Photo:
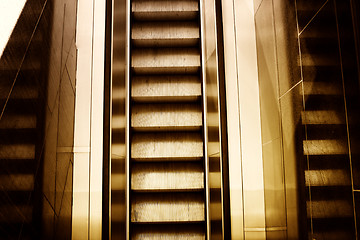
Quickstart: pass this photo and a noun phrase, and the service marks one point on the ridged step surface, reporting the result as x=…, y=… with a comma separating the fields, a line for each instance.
x=325, y=147
x=168, y=60
x=330, y=209
x=18, y=121
x=166, y=146
x=321, y=88
x=167, y=176
x=166, y=88
x=165, y=9
x=165, y=34
x=327, y=177
x=146, y=117
x=322, y=117
x=17, y=151
x=318, y=60
x=162, y=208
x=166, y=232
x=17, y=182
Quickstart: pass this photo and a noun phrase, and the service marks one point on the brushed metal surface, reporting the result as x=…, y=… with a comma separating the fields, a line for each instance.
x=166, y=116
x=169, y=10
x=17, y=151
x=167, y=176
x=327, y=177
x=162, y=232
x=166, y=88
x=18, y=121
x=320, y=88
x=325, y=147
x=17, y=182
x=322, y=117
x=163, y=146
x=168, y=60
x=171, y=207
x=165, y=34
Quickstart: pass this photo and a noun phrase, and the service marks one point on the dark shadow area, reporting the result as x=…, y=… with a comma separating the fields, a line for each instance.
x=37, y=98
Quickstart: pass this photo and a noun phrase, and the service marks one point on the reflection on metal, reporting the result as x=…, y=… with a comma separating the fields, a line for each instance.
x=119, y=91
x=233, y=122
x=120, y=185
x=211, y=119
x=87, y=173
x=127, y=112
x=206, y=173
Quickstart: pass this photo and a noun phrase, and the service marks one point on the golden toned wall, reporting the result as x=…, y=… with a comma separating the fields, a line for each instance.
x=43, y=55
x=59, y=133
x=88, y=134
x=214, y=159
x=247, y=206
x=279, y=79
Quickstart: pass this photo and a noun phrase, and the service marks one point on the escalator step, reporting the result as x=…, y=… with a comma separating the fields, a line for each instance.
x=322, y=117
x=325, y=147
x=160, y=34
x=17, y=182
x=17, y=121
x=328, y=209
x=165, y=61
x=166, y=117
x=165, y=88
x=17, y=151
x=165, y=9
x=168, y=232
x=327, y=177
x=166, y=146
x=167, y=208
x=167, y=177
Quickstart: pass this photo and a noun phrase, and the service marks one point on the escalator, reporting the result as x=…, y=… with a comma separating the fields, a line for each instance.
x=166, y=148
x=327, y=179
x=22, y=83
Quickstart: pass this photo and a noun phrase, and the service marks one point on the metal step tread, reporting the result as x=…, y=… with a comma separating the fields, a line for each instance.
x=321, y=88
x=323, y=117
x=311, y=59
x=325, y=147
x=166, y=60
x=330, y=209
x=168, y=232
x=167, y=177
x=327, y=177
x=168, y=116
x=165, y=9
x=17, y=151
x=166, y=208
x=167, y=146
x=18, y=121
x=165, y=30
x=17, y=182
x=165, y=88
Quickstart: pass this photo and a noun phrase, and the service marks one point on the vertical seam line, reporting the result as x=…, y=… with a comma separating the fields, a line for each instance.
x=238, y=103
x=91, y=98
x=346, y=115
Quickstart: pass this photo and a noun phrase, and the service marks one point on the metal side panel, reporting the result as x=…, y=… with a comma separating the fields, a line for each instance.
x=119, y=102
